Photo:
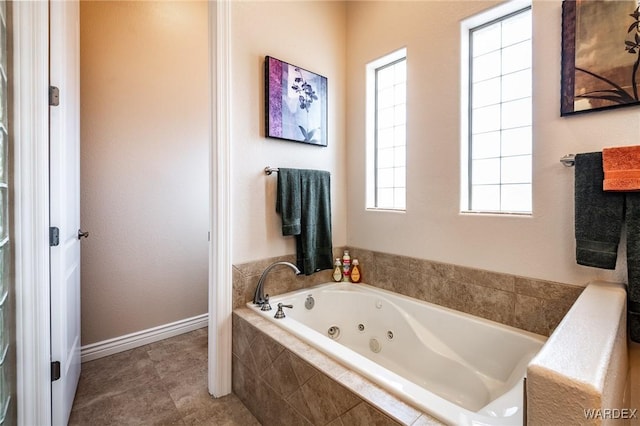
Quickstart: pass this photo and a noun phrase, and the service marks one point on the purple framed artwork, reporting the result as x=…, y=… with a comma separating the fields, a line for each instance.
x=600, y=55
x=296, y=103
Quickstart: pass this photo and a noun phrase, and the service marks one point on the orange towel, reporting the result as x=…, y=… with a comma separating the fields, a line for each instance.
x=621, y=167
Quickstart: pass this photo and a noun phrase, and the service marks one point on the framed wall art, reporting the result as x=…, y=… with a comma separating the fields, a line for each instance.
x=600, y=55
x=296, y=103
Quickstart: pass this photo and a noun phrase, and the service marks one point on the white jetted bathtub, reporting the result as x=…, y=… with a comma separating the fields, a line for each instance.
x=461, y=369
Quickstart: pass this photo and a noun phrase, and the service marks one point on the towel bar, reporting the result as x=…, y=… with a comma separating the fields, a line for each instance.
x=268, y=170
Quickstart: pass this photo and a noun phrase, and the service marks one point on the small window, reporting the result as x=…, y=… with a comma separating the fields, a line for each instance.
x=499, y=110
x=386, y=132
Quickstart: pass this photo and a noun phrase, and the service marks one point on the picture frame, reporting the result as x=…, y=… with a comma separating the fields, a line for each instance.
x=295, y=103
x=600, y=55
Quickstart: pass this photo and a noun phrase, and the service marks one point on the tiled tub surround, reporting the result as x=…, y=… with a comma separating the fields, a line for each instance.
x=284, y=381
x=529, y=304
x=280, y=279
x=460, y=368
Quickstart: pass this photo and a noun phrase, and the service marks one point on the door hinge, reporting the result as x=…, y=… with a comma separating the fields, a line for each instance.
x=54, y=96
x=55, y=370
x=54, y=236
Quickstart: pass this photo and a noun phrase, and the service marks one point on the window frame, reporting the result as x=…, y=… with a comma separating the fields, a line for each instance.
x=467, y=27
x=371, y=120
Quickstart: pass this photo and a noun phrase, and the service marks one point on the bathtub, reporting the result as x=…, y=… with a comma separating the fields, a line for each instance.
x=460, y=369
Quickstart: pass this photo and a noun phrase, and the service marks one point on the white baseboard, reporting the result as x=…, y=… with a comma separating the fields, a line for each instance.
x=141, y=338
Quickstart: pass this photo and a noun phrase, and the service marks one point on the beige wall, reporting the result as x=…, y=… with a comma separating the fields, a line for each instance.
x=308, y=34
x=541, y=246
x=145, y=126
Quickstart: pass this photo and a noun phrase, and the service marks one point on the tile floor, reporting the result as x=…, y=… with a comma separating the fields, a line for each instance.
x=163, y=383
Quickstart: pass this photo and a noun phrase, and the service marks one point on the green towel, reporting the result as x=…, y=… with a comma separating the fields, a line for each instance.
x=304, y=201
x=288, y=202
x=598, y=215
x=632, y=218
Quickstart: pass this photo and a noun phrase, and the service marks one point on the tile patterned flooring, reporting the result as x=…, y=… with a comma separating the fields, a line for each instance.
x=163, y=383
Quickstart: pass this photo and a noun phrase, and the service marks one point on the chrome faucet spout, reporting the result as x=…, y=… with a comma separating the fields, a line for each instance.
x=258, y=295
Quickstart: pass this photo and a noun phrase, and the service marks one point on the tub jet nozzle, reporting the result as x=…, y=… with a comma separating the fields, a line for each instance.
x=334, y=332
x=374, y=345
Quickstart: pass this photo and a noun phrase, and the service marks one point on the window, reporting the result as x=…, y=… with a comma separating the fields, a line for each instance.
x=498, y=135
x=386, y=132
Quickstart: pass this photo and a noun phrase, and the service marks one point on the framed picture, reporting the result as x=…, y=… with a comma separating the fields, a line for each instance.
x=600, y=55
x=296, y=103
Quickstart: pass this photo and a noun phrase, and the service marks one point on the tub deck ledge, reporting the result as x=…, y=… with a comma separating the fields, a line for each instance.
x=584, y=364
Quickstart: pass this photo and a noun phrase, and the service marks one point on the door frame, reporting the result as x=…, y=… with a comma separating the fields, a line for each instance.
x=31, y=207
x=31, y=210
x=220, y=275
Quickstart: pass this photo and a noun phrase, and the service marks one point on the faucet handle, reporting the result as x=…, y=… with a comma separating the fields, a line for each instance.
x=280, y=312
x=265, y=305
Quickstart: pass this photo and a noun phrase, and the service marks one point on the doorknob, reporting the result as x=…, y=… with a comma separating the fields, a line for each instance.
x=82, y=234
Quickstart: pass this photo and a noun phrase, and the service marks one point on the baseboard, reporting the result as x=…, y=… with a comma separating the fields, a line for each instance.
x=141, y=338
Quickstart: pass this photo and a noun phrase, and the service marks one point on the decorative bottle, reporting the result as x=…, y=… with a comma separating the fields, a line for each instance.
x=355, y=271
x=346, y=266
x=337, y=270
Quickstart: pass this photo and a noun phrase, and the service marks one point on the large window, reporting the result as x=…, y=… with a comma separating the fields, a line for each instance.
x=499, y=127
x=386, y=140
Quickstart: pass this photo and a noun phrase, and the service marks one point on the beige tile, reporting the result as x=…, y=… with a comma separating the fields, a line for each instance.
x=260, y=352
x=427, y=420
x=255, y=268
x=302, y=369
x=244, y=384
x=239, y=284
x=146, y=404
x=388, y=278
x=341, y=397
x=298, y=402
x=126, y=389
x=336, y=422
x=540, y=316
x=322, y=400
x=241, y=325
x=415, y=285
x=484, y=278
x=546, y=289
x=264, y=347
x=179, y=354
x=386, y=260
x=188, y=390
x=195, y=342
x=318, y=360
x=242, y=336
x=281, y=376
x=365, y=415
x=386, y=402
x=485, y=302
x=437, y=269
x=107, y=377
x=409, y=281
x=273, y=410
x=225, y=411
x=274, y=349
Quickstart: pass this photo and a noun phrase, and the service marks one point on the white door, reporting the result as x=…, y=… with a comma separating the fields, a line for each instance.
x=64, y=73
